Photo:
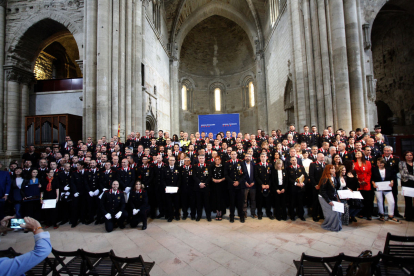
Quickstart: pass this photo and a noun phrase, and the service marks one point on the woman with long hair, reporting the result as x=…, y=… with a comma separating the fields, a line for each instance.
x=279, y=188
x=379, y=174
x=336, y=160
x=352, y=184
x=31, y=200
x=219, y=187
x=407, y=180
x=363, y=172
x=341, y=180
x=327, y=190
x=138, y=202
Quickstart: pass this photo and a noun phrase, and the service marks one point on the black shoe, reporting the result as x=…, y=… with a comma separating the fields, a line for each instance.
x=88, y=222
x=315, y=219
x=63, y=222
x=209, y=219
x=198, y=219
x=159, y=216
x=177, y=218
x=73, y=226
x=231, y=219
x=292, y=218
x=122, y=226
x=185, y=217
x=170, y=219
x=254, y=216
x=369, y=218
x=260, y=217
x=97, y=222
x=152, y=216
x=302, y=219
x=144, y=227
x=193, y=218
x=398, y=215
x=278, y=218
x=271, y=217
x=242, y=219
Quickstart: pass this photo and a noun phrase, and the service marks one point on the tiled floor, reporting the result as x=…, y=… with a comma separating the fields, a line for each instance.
x=220, y=248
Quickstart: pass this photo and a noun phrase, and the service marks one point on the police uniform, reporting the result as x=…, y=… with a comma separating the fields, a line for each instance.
x=262, y=175
x=146, y=176
x=66, y=196
x=218, y=189
x=187, y=193
x=201, y=174
x=241, y=154
x=79, y=201
x=146, y=141
x=107, y=177
x=294, y=134
x=161, y=141
x=316, y=139
x=139, y=200
x=156, y=193
x=126, y=178
x=92, y=180
x=308, y=138
x=345, y=156
x=234, y=170
x=297, y=193
x=171, y=178
x=112, y=203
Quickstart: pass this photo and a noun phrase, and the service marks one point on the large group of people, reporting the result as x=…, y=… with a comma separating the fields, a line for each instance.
x=162, y=177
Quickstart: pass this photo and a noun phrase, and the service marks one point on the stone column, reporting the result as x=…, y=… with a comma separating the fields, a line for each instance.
x=354, y=63
x=326, y=72
x=340, y=65
x=299, y=80
x=91, y=7
x=138, y=25
x=174, y=97
x=3, y=4
x=24, y=109
x=261, y=92
x=121, y=91
x=128, y=72
x=320, y=103
x=103, y=70
x=309, y=60
x=115, y=68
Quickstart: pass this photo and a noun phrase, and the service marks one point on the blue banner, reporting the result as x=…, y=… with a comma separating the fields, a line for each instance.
x=216, y=123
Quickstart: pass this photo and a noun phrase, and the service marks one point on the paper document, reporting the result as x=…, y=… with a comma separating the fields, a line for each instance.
x=171, y=190
x=49, y=204
x=344, y=194
x=383, y=186
x=338, y=207
x=301, y=179
x=407, y=191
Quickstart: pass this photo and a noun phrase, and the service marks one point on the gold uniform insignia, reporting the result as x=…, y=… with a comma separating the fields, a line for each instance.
x=119, y=197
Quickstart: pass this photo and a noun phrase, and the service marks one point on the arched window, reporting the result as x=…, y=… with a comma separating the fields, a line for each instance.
x=217, y=99
x=251, y=94
x=184, y=97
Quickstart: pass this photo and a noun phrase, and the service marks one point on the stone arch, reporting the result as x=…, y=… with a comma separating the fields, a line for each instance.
x=245, y=80
x=190, y=85
x=150, y=122
x=22, y=49
x=210, y=9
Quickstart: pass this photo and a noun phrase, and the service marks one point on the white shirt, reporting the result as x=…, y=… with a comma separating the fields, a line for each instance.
x=19, y=181
x=382, y=173
x=306, y=163
x=248, y=168
x=280, y=176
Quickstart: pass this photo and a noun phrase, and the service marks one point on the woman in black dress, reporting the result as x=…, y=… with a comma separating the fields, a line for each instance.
x=407, y=180
x=138, y=201
x=219, y=187
x=50, y=190
x=355, y=205
x=31, y=200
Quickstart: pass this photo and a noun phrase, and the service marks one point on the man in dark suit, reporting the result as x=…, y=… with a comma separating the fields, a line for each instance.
x=5, y=184
x=186, y=189
x=234, y=172
x=250, y=186
x=202, y=178
x=171, y=178
x=125, y=177
x=79, y=195
x=156, y=192
x=315, y=173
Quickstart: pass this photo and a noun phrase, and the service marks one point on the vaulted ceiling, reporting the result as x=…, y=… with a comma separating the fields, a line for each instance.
x=179, y=12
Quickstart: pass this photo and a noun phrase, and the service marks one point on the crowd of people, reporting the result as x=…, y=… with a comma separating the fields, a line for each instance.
x=162, y=177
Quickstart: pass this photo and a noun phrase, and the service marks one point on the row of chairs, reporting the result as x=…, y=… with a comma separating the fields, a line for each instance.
x=81, y=262
x=397, y=259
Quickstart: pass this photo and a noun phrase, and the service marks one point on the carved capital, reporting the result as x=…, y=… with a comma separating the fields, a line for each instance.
x=80, y=63
x=19, y=75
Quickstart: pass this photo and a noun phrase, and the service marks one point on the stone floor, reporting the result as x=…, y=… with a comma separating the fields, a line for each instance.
x=220, y=248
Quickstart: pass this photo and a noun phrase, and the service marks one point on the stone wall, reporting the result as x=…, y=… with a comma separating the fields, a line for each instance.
x=278, y=56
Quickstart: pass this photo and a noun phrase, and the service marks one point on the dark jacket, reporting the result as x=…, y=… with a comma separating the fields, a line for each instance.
x=376, y=176
x=201, y=175
x=138, y=200
x=5, y=183
x=249, y=179
x=327, y=191
x=235, y=172
x=112, y=203
x=275, y=181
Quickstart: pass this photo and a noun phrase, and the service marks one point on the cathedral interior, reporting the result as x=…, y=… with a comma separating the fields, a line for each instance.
x=98, y=66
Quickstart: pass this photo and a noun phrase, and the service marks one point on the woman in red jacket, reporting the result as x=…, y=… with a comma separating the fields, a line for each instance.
x=363, y=172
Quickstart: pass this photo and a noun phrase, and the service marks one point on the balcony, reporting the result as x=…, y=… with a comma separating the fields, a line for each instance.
x=58, y=85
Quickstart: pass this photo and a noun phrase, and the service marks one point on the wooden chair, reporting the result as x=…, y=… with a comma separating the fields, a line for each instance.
x=361, y=263
x=98, y=263
x=43, y=268
x=399, y=246
x=391, y=265
x=309, y=265
x=131, y=266
x=68, y=263
x=9, y=253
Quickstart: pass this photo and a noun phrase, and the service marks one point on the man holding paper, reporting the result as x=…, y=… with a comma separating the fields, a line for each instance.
x=382, y=180
x=171, y=179
x=113, y=207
